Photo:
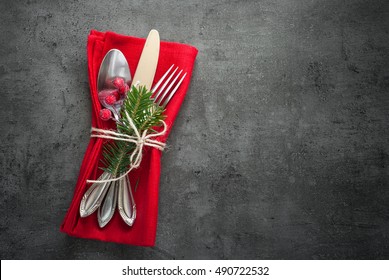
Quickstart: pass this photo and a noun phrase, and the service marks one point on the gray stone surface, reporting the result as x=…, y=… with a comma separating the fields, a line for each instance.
x=280, y=150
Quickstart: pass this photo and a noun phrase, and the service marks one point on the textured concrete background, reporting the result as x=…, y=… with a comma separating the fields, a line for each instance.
x=280, y=150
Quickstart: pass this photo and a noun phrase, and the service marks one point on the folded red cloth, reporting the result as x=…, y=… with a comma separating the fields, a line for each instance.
x=143, y=232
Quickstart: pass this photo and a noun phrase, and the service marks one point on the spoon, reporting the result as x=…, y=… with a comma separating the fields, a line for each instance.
x=105, y=196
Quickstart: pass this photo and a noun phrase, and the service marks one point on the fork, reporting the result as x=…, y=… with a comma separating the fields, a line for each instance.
x=158, y=97
x=106, y=196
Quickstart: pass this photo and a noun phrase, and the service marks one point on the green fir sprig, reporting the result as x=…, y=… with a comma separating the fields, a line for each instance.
x=145, y=114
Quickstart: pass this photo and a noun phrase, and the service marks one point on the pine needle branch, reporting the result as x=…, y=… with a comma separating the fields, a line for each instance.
x=145, y=114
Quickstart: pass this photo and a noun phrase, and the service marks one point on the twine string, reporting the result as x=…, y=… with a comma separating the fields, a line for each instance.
x=139, y=140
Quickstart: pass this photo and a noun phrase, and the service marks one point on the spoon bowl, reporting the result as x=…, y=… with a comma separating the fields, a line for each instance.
x=114, y=65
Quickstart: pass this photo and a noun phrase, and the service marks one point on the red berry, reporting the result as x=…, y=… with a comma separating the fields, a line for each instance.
x=118, y=82
x=116, y=94
x=105, y=114
x=110, y=99
x=124, y=89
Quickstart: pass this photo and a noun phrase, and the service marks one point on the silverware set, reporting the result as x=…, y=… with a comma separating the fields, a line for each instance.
x=106, y=196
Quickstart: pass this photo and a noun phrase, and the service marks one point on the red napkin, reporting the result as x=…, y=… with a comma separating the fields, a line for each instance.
x=143, y=232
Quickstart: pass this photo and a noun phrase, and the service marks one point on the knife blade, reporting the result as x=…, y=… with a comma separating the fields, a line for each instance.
x=147, y=65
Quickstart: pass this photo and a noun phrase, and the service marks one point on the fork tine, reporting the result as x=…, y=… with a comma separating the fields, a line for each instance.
x=164, y=85
x=158, y=98
x=168, y=88
x=174, y=90
x=160, y=80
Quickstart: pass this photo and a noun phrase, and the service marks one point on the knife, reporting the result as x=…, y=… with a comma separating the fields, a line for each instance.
x=147, y=65
x=144, y=76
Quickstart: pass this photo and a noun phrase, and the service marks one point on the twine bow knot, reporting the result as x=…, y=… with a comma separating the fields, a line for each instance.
x=139, y=140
